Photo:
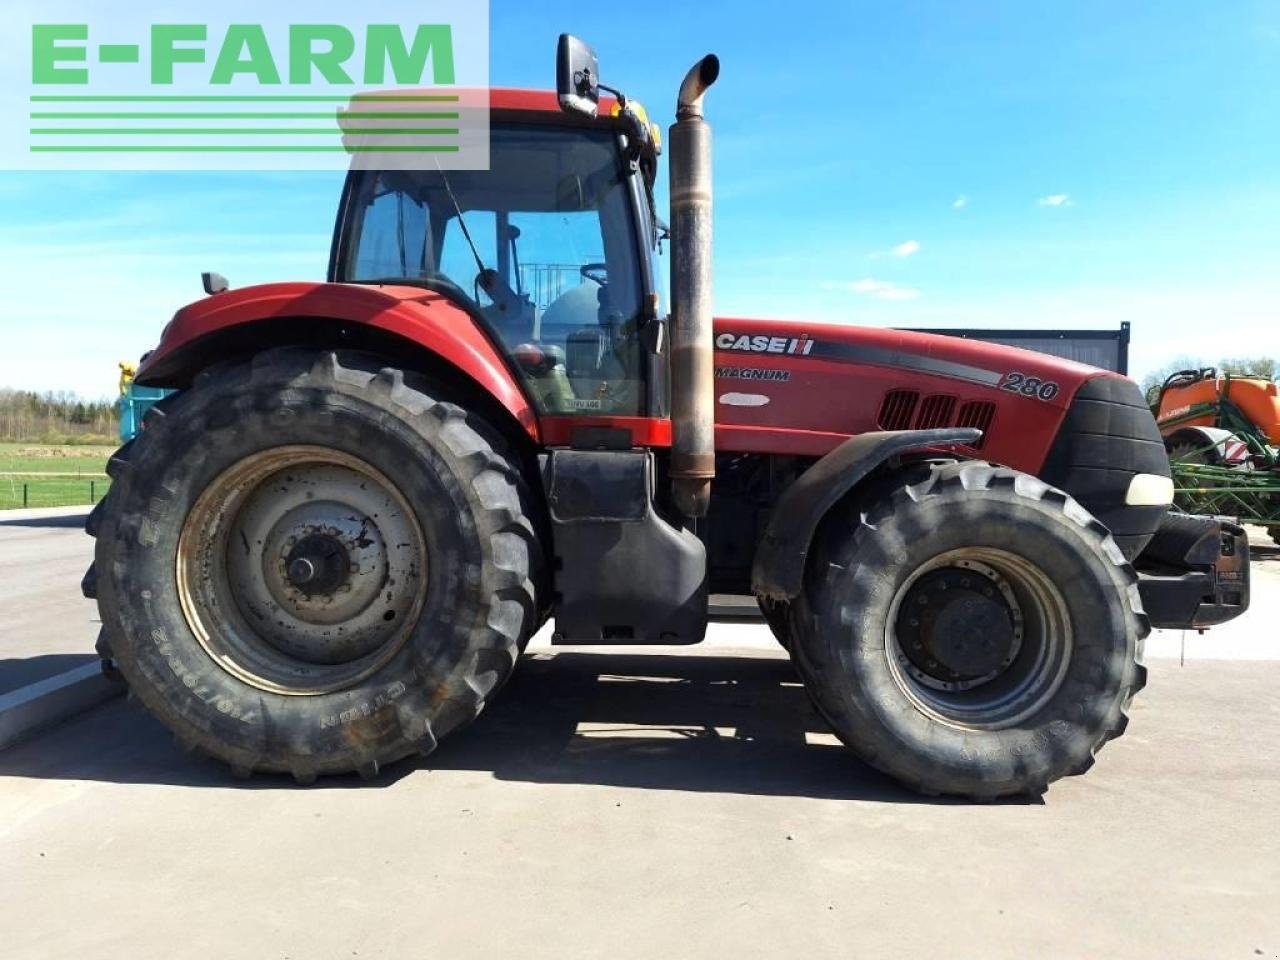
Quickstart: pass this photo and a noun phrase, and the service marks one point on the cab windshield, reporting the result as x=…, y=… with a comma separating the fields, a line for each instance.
x=543, y=245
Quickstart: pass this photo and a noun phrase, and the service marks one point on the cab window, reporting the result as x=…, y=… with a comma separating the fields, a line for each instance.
x=548, y=258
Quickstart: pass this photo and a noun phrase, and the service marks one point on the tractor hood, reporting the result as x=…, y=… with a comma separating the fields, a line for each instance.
x=810, y=386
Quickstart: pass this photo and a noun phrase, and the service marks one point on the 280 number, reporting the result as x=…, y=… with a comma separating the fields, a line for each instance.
x=1020, y=383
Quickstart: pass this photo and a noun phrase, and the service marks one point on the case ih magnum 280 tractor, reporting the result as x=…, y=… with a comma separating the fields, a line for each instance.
x=327, y=550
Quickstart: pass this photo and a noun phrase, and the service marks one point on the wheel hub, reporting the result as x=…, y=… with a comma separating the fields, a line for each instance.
x=978, y=638
x=302, y=569
x=317, y=564
x=959, y=626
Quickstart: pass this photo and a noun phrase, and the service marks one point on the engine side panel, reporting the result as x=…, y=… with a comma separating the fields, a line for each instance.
x=803, y=389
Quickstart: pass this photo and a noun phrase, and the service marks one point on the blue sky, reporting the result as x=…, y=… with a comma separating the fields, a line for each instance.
x=885, y=163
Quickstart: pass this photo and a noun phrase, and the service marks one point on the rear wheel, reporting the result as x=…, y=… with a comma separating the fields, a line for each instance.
x=775, y=615
x=974, y=633
x=311, y=564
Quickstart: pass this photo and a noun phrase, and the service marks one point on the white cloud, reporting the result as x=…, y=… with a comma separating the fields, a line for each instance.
x=881, y=289
x=960, y=202
x=1056, y=200
x=901, y=251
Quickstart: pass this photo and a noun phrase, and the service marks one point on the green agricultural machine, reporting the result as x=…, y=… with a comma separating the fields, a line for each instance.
x=1223, y=437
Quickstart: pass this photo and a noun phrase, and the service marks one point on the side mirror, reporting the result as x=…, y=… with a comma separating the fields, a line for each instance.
x=577, y=76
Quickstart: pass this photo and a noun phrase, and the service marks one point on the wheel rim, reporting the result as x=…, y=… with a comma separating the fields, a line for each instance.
x=301, y=570
x=978, y=638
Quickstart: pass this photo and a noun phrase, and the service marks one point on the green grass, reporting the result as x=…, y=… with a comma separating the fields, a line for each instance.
x=50, y=491
x=45, y=475
x=31, y=458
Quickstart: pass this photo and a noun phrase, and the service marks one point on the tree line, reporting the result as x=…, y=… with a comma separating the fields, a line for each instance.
x=55, y=416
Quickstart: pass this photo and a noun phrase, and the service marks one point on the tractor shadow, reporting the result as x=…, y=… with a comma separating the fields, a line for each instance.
x=18, y=672
x=70, y=521
x=707, y=724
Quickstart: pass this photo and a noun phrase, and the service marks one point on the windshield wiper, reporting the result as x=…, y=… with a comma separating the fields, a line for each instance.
x=495, y=286
x=461, y=222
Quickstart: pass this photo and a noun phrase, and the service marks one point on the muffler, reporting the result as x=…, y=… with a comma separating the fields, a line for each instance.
x=693, y=460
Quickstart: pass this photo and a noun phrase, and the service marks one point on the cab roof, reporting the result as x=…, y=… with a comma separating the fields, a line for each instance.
x=502, y=100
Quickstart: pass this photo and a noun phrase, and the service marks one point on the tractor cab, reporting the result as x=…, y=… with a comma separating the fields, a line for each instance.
x=550, y=249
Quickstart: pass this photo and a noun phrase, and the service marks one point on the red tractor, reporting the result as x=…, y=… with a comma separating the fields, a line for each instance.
x=328, y=548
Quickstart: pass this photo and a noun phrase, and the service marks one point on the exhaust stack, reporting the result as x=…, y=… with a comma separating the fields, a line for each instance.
x=693, y=463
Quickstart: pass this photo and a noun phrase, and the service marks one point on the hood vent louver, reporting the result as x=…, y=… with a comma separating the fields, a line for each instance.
x=898, y=410
x=907, y=410
x=936, y=411
x=979, y=414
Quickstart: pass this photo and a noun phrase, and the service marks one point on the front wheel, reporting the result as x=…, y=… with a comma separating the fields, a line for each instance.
x=974, y=633
x=311, y=563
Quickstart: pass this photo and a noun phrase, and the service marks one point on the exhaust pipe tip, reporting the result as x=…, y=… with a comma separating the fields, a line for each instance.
x=696, y=83
x=692, y=496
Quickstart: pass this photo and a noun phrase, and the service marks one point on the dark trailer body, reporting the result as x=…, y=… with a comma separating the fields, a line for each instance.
x=1104, y=349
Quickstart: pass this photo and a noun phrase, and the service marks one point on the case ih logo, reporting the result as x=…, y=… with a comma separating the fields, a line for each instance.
x=745, y=343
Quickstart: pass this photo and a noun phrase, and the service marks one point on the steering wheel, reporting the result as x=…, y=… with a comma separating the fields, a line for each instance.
x=596, y=272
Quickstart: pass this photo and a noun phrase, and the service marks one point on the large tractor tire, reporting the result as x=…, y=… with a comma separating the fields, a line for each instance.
x=974, y=633
x=775, y=615
x=312, y=564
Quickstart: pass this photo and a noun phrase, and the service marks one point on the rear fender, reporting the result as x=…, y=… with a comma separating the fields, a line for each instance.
x=274, y=314
x=778, y=571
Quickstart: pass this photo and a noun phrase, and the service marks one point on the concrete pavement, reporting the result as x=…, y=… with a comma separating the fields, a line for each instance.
x=638, y=803
x=46, y=626
x=48, y=668
x=651, y=805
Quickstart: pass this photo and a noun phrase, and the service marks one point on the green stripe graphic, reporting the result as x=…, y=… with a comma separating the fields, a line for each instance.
x=244, y=98
x=359, y=111
x=358, y=114
x=244, y=148
x=237, y=131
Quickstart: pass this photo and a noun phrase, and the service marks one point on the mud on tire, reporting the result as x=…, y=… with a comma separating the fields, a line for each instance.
x=939, y=737
x=459, y=487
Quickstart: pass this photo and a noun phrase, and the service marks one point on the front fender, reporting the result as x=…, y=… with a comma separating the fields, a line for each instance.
x=778, y=571
x=427, y=319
